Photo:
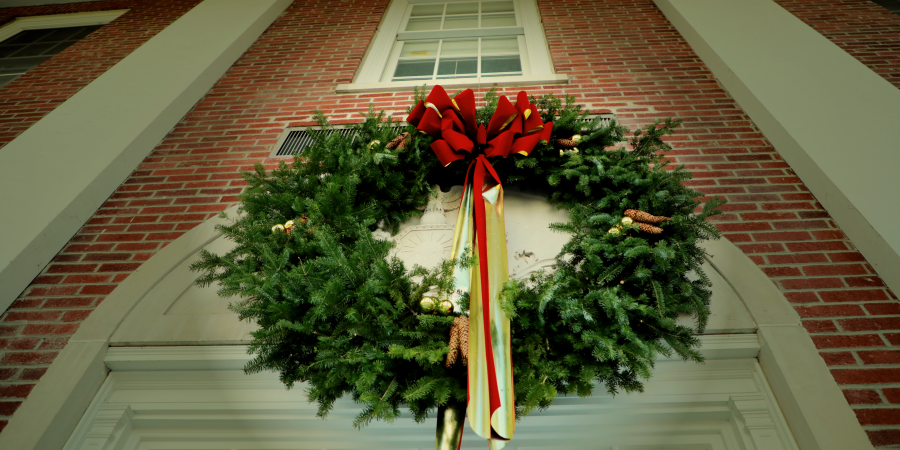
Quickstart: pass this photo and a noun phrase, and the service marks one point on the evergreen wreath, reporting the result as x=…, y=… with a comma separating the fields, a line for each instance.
x=335, y=313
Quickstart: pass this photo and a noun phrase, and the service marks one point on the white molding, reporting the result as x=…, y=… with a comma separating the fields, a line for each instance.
x=721, y=405
x=380, y=49
x=58, y=21
x=525, y=80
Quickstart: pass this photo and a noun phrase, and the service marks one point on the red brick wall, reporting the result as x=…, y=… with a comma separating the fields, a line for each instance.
x=31, y=96
x=861, y=28
x=631, y=61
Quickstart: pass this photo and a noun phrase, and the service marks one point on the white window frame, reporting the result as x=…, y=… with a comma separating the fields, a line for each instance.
x=537, y=66
x=84, y=19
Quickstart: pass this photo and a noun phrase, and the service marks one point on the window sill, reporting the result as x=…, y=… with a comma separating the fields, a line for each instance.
x=531, y=80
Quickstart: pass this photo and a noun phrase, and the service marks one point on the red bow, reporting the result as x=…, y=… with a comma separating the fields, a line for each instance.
x=512, y=129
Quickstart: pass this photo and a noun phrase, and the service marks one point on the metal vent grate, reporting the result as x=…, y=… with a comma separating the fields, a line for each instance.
x=295, y=140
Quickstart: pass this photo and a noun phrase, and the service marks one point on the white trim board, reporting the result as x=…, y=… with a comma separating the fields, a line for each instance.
x=793, y=82
x=234, y=357
x=58, y=21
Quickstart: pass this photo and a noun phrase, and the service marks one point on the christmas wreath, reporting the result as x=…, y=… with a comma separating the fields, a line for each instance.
x=336, y=313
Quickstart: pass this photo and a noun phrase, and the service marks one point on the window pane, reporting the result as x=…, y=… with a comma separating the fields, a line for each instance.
x=20, y=65
x=60, y=47
x=458, y=66
x=505, y=20
x=456, y=48
x=462, y=8
x=8, y=50
x=456, y=23
x=427, y=10
x=60, y=34
x=491, y=7
x=27, y=36
x=428, y=48
x=423, y=24
x=415, y=68
x=505, y=45
x=35, y=49
x=494, y=64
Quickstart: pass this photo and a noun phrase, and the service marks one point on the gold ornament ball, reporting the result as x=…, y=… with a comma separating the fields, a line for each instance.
x=289, y=225
x=445, y=307
x=373, y=144
x=613, y=230
x=576, y=138
x=562, y=153
x=427, y=303
x=278, y=229
x=627, y=221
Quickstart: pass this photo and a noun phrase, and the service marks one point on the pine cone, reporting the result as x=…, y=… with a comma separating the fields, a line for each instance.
x=567, y=143
x=640, y=216
x=647, y=228
x=398, y=142
x=459, y=341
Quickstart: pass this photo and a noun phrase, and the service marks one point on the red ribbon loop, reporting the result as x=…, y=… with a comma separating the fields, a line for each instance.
x=512, y=129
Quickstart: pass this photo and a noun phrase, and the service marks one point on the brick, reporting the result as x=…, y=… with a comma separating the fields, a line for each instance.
x=880, y=356
x=32, y=374
x=801, y=297
x=882, y=438
x=819, y=326
x=829, y=311
x=19, y=343
x=7, y=408
x=48, y=329
x=882, y=309
x=812, y=283
x=878, y=416
x=871, y=281
x=885, y=323
x=838, y=358
x=28, y=358
x=862, y=397
x=865, y=376
x=815, y=246
x=859, y=295
x=15, y=390
x=119, y=267
x=847, y=341
x=835, y=269
x=75, y=316
x=892, y=394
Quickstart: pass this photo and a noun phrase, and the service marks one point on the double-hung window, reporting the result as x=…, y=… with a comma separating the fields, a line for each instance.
x=457, y=43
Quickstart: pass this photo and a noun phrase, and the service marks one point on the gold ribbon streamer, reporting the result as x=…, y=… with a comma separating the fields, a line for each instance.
x=499, y=426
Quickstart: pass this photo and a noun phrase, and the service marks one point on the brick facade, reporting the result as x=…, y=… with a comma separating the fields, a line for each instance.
x=630, y=61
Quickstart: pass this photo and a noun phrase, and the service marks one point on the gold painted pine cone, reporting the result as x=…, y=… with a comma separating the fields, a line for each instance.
x=641, y=216
x=647, y=228
x=398, y=142
x=567, y=143
x=459, y=341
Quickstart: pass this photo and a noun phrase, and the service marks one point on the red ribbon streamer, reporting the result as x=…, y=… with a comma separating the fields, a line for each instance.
x=512, y=129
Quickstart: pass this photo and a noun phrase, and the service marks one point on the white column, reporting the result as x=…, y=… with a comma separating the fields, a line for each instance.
x=833, y=119
x=55, y=175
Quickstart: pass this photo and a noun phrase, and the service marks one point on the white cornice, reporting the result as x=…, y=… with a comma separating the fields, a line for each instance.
x=58, y=21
